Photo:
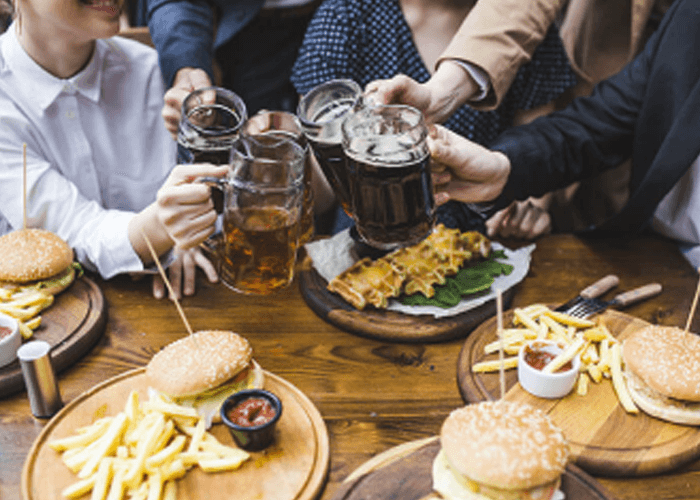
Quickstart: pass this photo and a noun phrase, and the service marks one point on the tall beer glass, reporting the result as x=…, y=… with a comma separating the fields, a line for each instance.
x=321, y=111
x=263, y=198
x=282, y=124
x=388, y=167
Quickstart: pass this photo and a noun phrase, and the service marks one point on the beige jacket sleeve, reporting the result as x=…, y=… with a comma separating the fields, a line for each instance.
x=499, y=36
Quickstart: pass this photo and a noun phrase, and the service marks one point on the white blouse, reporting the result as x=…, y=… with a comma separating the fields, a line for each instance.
x=97, y=147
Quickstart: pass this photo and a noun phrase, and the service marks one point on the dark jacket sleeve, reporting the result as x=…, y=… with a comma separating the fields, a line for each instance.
x=183, y=34
x=591, y=135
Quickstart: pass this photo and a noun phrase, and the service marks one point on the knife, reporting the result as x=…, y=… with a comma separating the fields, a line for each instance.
x=595, y=290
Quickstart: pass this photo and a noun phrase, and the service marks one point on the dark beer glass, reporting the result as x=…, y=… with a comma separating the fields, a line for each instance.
x=388, y=168
x=321, y=112
x=210, y=121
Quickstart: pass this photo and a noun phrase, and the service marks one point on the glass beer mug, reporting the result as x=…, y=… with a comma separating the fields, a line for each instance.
x=388, y=168
x=263, y=204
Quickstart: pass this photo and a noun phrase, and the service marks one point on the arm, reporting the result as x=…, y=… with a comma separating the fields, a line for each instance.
x=183, y=34
x=499, y=36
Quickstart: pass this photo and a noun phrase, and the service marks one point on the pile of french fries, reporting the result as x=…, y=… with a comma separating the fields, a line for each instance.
x=599, y=350
x=140, y=452
x=25, y=306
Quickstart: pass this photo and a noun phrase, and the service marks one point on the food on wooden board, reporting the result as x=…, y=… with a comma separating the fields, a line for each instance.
x=203, y=369
x=410, y=270
x=662, y=369
x=499, y=450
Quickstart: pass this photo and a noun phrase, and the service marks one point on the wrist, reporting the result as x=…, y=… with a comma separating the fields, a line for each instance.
x=148, y=223
x=451, y=78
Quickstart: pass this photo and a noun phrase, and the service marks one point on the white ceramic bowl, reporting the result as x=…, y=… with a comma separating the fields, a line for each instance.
x=546, y=385
x=10, y=343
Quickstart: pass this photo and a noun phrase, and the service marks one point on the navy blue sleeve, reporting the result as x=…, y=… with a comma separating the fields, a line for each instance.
x=183, y=34
x=329, y=47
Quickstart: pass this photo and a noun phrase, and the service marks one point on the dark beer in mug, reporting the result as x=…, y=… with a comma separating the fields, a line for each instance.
x=390, y=185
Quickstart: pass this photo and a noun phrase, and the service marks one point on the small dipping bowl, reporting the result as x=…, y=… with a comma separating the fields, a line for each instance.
x=10, y=339
x=248, y=433
x=539, y=383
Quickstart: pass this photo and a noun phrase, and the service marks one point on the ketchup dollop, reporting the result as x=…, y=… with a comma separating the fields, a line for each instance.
x=4, y=332
x=251, y=412
x=539, y=359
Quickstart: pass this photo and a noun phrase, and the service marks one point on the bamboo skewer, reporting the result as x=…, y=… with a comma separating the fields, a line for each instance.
x=167, y=283
x=693, y=306
x=24, y=185
x=499, y=319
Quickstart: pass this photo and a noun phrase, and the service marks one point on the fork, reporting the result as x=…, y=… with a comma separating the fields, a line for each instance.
x=589, y=307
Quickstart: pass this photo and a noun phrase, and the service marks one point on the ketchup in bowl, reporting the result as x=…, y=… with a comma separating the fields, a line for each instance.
x=538, y=359
x=5, y=331
x=251, y=417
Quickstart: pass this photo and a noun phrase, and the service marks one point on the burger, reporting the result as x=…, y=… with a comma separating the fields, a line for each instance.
x=36, y=259
x=662, y=370
x=499, y=451
x=203, y=369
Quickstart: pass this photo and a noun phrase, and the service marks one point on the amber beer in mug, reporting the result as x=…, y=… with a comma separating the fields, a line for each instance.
x=388, y=167
x=321, y=112
x=284, y=125
x=264, y=194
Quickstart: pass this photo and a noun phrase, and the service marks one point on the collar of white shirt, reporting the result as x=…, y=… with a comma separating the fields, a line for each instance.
x=41, y=88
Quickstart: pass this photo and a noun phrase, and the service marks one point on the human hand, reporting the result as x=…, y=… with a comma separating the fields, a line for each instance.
x=186, y=80
x=182, y=273
x=439, y=97
x=463, y=170
x=522, y=219
x=184, y=206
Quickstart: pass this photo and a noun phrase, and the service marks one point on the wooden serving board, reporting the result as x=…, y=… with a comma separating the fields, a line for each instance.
x=388, y=325
x=294, y=467
x=405, y=473
x=72, y=325
x=605, y=440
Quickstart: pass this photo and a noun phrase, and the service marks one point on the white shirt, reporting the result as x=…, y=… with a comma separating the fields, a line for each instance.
x=678, y=214
x=97, y=148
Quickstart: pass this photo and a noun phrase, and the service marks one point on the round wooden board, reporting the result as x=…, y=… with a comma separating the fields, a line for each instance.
x=405, y=473
x=294, y=467
x=388, y=325
x=605, y=440
x=72, y=325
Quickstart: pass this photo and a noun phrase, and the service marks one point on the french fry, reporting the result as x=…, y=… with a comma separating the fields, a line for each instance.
x=83, y=439
x=107, y=442
x=155, y=486
x=166, y=454
x=494, y=366
x=24, y=330
x=144, y=450
x=102, y=480
x=170, y=491
x=566, y=319
x=618, y=381
x=78, y=489
x=525, y=320
x=222, y=464
x=582, y=384
x=170, y=409
x=566, y=355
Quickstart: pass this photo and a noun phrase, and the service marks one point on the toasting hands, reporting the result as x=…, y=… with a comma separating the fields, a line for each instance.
x=186, y=80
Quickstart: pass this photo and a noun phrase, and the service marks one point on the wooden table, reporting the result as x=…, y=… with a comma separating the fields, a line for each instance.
x=372, y=395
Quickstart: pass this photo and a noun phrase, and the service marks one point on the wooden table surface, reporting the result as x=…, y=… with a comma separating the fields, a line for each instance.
x=373, y=395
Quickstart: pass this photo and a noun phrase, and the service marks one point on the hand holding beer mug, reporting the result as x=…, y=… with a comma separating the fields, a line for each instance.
x=263, y=201
x=286, y=126
x=321, y=112
x=390, y=181
x=210, y=120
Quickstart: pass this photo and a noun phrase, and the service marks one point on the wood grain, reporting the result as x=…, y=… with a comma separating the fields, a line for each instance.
x=604, y=439
x=405, y=473
x=388, y=325
x=294, y=467
x=72, y=325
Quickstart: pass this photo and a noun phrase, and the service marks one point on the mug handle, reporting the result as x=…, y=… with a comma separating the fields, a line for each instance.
x=216, y=190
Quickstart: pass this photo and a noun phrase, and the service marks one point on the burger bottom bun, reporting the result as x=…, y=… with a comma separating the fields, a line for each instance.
x=657, y=405
x=50, y=286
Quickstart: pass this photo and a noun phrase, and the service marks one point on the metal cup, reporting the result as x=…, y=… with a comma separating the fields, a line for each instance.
x=39, y=378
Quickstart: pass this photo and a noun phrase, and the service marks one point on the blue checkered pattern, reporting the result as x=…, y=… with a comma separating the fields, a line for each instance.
x=366, y=40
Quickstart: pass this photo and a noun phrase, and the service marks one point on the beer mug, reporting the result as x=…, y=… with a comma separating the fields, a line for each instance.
x=286, y=125
x=321, y=112
x=210, y=120
x=388, y=168
x=263, y=201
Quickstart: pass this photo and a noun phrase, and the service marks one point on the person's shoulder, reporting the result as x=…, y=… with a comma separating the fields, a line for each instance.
x=128, y=50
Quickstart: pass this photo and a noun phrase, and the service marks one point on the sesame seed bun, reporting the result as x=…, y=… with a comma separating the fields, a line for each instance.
x=31, y=255
x=504, y=445
x=667, y=359
x=198, y=363
x=662, y=368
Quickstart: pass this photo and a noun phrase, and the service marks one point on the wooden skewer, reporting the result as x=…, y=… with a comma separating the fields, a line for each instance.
x=693, y=306
x=167, y=283
x=24, y=185
x=499, y=319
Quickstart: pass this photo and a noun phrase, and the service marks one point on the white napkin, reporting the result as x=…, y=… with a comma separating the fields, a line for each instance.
x=334, y=255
